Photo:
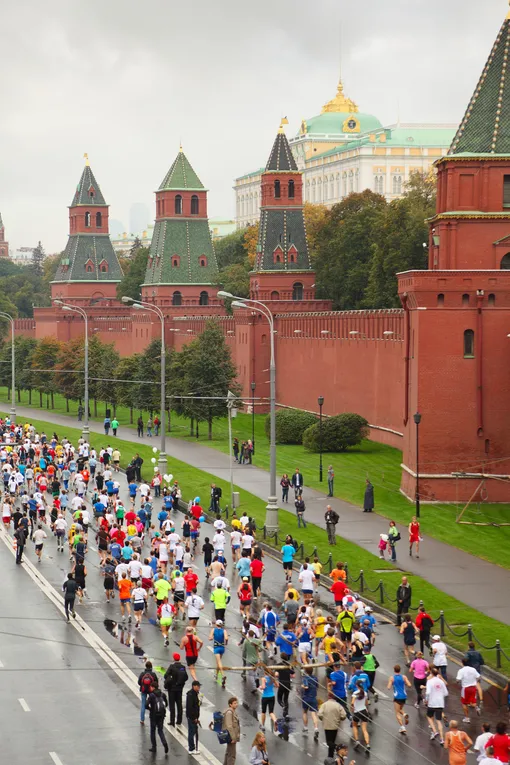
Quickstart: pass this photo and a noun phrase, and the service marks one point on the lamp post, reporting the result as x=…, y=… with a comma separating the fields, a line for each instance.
x=12, y=413
x=417, y=420
x=253, y=417
x=140, y=304
x=272, y=501
x=320, y=401
x=83, y=314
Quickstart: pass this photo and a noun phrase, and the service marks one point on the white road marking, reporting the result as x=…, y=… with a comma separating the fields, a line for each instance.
x=24, y=705
x=102, y=649
x=381, y=693
x=92, y=548
x=1, y=665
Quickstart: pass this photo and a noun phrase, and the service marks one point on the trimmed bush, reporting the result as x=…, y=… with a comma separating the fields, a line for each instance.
x=338, y=433
x=290, y=425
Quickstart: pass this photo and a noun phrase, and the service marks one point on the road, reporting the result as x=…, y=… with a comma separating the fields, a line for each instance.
x=69, y=691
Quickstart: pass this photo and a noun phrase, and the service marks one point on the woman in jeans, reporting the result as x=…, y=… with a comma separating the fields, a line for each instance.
x=285, y=483
x=258, y=754
x=393, y=538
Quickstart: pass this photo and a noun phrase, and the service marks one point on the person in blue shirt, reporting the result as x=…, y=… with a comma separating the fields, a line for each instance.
x=398, y=682
x=338, y=686
x=167, y=502
x=109, y=487
x=127, y=551
x=162, y=516
x=73, y=466
x=268, y=621
x=286, y=641
x=115, y=550
x=243, y=566
x=132, y=486
x=143, y=517
x=267, y=686
x=154, y=563
x=359, y=674
x=309, y=687
x=288, y=552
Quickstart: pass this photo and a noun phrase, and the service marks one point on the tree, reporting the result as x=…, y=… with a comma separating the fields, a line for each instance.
x=235, y=279
x=315, y=218
x=344, y=247
x=137, y=245
x=134, y=276
x=231, y=249
x=148, y=395
x=251, y=238
x=45, y=358
x=70, y=379
x=38, y=256
x=338, y=433
x=25, y=347
x=210, y=372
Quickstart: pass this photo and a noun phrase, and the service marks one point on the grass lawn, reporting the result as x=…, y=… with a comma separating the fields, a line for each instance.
x=379, y=462
x=197, y=482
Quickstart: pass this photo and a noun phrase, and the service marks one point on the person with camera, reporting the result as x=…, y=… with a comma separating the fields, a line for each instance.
x=258, y=754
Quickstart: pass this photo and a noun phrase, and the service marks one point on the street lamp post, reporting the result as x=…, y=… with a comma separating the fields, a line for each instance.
x=417, y=420
x=12, y=413
x=253, y=417
x=272, y=501
x=140, y=304
x=321, y=404
x=83, y=314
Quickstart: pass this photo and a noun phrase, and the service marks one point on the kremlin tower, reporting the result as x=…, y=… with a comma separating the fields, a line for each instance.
x=4, y=246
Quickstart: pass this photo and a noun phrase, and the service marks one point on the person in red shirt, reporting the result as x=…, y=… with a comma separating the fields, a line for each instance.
x=339, y=590
x=424, y=622
x=196, y=510
x=191, y=580
x=130, y=517
x=500, y=743
x=256, y=570
x=118, y=535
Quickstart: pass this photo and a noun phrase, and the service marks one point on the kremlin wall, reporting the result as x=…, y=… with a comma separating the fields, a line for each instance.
x=444, y=354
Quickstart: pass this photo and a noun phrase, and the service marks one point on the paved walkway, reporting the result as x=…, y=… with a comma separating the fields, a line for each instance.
x=478, y=583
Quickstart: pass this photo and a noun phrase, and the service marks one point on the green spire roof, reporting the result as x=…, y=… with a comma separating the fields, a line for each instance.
x=88, y=191
x=181, y=253
x=181, y=175
x=486, y=124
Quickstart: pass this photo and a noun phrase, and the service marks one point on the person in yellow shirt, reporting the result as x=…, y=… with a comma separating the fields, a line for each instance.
x=331, y=644
x=235, y=522
x=292, y=589
x=131, y=530
x=319, y=624
x=317, y=569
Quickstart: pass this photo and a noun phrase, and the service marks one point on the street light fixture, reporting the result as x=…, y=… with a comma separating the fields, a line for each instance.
x=320, y=401
x=252, y=417
x=76, y=309
x=417, y=420
x=4, y=315
x=257, y=305
x=141, y=305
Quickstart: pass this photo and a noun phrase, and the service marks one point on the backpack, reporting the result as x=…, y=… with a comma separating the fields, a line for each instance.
x=334, y=516
x=159, y=707
x=146, y=682
x=217, y=726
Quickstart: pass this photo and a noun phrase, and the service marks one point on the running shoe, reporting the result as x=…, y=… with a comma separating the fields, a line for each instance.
x=406, y=719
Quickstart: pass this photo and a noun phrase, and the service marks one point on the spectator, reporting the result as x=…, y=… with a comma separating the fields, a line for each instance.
x=331, y=517
x=232, y=725
x=368, y=501
x=403, y=599
x=331, y=479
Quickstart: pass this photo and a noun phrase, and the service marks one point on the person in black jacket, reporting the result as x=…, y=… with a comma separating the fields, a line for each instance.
x=147, y=680
x=215, y=498
x=175, y=680
x=193, y=716
x=404, y=593
x=297, y=483
x=137, y=463
x=21, y=538
x=156, y=704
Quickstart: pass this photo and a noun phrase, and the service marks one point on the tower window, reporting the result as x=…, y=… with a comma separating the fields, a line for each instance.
x=465, y=299
x=506, y=191
x=204, y=298
x=87, y=220
x=92, y=192
x=202, y=261
x=505, y=262
x=297, y=291
x=177, y=298
x=440, y=299
x=178, y=204
x=469, y=344
x=89, y=266
x=277, y=190
x=176, y=261
x=194, y=205
x=99, y=220
x=103, y=267
x=291, y=189
x=492, y=299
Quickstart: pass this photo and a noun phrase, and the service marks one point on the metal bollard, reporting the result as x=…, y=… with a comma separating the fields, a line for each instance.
x=361, y=581
x=469, y=632
x=441, y=623
x=381, y=591
x=498, y=654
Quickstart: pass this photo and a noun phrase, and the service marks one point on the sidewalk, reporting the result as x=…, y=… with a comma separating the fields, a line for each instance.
x=478, y=583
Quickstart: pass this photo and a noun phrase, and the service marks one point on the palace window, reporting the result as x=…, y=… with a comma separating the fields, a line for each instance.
x=469, y=344
x=278, y=255
x=505, y=262
x=89, y=266
x=99, y=220
x=204, y=298
x=297, y=291
x=275, y=295
x=506, y=191
x=440, y=299
x=291, y=190
x=492, y=299
x=177, y=298
x=277, y=190
x=178, y=204
x=397, y=184
x=103, y=267
x=465, y=299
x=194, y=205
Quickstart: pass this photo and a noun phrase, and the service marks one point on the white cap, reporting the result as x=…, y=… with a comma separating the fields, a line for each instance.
x=368, y=609
x=219, y=621
x=436, y=637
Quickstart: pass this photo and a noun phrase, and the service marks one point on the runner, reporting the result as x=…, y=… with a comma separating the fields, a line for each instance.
x=125, y=586
x=139, y=596
x=191, y=644
x=419, y=667
x=288, y=552
x=435, y=695
x=360, y=716
x=398, y=683
x=469, y=680
x=39, y=537
x=219, y=635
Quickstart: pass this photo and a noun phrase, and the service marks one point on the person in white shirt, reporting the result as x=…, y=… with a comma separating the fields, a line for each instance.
x=469, y=680
x=135, y=568
x=435, y=695
x=39, y=537
x=243, y=520
x=247, y=542
x=220, y=580
x=76, y=503
x=219, y=524
x=121, y=568
x=235, y=541
x=179, y=555
x=163, y=556
x=139, y=596
x=481, y=742
x=307, y=579
x=60, y=529
x=145, y=489
x=218, y=541
x=173, y=540
x=194, y=604
x=440, y=652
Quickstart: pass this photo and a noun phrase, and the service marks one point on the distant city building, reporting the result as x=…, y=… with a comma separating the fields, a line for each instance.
x=342, y=150
x=220, y=227
x=124, y=241
x=22, y=256
x=4, y=246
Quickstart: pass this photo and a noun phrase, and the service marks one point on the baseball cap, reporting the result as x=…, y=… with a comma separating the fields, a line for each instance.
x=436, y=637
x=177, y=656
x=368, y=609
x=246, y=578
x=219, y=621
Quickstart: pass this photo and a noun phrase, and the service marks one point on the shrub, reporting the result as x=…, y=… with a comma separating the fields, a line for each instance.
x=338, y=433
x=290, y=425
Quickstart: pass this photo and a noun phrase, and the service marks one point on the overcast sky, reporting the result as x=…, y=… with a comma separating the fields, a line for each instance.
x=125, y=81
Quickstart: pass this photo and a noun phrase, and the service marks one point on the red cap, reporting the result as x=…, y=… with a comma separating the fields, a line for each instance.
x=177, y=656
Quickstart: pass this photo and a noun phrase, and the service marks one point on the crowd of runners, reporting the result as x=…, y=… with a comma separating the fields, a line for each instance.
x=150, y=556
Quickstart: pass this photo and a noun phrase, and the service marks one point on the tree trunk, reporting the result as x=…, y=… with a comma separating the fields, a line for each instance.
x=47, y=401
x=169, y=420
x=52, y=400
x=197, y=433
x=191, y=426
x=95, y=407
x=40, y=399
x=67, y=404
x=115, y=410
x=19, y=395
x=130, y=415
x=30, y=396
x=8, y=393
x=209, y=434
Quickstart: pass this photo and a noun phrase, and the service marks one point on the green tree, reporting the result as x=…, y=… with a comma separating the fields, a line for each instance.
x=137, y=245
x=25, y=348
x=338, y=433
x=344, y=246
x=235, y=279
x=38, y=256
x=45, y=358
x=230, y=249
x=127, y=370
x=70, y=377
x=134, y=275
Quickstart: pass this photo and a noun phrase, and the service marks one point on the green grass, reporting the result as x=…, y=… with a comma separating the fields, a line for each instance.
x=197, y=482
x=379, y=462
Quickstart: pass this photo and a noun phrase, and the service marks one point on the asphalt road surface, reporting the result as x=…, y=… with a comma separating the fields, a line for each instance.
x=69, y=694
